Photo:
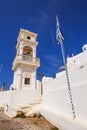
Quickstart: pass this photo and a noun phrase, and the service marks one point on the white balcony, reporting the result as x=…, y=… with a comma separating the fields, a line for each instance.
x=23, y=59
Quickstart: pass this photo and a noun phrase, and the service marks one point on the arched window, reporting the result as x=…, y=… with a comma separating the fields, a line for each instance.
x=27, y=51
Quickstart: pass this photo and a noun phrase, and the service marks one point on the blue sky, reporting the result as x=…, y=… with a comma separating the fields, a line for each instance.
x=39, y=16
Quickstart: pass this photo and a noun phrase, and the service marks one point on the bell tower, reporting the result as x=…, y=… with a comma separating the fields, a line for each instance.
x=25, y=62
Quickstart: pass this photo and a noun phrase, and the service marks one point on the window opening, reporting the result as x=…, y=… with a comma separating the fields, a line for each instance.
x=28, y=37
x=27, y=81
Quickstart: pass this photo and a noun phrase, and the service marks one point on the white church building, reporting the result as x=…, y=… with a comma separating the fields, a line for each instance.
x=24, y=90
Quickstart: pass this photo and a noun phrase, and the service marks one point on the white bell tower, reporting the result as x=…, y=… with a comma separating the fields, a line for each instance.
x=25, y=62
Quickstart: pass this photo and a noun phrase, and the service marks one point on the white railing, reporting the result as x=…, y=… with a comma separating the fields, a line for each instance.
x=27, y=59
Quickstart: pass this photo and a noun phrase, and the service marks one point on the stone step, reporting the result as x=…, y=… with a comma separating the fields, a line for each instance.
x=35, y=102
x=11, y=113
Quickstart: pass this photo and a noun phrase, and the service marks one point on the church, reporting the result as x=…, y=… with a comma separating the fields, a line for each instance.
x=25, y=89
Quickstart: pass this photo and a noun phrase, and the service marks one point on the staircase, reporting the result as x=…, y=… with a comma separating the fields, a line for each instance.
x=28, y=109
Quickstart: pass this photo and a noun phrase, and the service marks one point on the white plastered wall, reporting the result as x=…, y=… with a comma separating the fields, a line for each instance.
x=56, y=95
x=4, y=98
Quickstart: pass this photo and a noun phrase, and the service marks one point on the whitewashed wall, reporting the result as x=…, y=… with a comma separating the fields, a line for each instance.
x=45, y=80
x=38, y=87
x=77, y=61
x=4, y=98
x=23, y=97
x=56, y=97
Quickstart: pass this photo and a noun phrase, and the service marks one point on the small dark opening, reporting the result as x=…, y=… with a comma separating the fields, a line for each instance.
x=27, y=80
x=28, y=37
x=84, y=48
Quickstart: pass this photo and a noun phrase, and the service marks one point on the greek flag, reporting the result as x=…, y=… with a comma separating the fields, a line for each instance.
x=59, y=35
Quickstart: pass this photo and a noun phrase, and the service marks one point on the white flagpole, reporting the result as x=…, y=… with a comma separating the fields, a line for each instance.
x=60, y=39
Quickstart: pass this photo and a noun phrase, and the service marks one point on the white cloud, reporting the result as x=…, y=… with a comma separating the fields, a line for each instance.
x=42, y=18
x=52, y=60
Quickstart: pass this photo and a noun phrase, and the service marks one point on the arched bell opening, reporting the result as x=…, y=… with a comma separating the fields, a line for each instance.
x=28, y=51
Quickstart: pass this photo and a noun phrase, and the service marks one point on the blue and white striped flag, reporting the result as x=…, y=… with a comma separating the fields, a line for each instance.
x=59, y=35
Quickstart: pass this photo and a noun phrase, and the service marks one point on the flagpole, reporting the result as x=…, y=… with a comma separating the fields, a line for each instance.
x=60, y=39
